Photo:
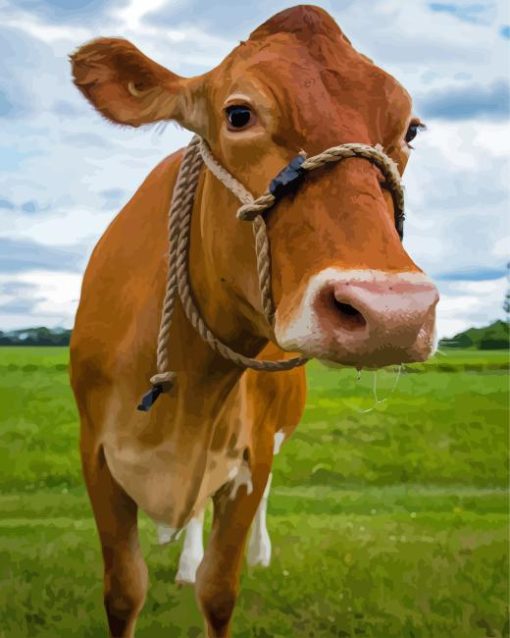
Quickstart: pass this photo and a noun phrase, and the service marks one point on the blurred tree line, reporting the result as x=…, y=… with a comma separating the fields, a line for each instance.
x=492, y=337
x=36, y=337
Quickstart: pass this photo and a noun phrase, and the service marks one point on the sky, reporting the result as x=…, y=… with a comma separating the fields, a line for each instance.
x=65, y=172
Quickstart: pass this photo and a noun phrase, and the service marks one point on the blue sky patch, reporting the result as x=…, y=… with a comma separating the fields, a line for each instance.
x=472, y=274
x=505, y=31
x=7, y=106
x=6, y=204
x=22, y=255
x=66, y=11
x=468, y=101
x=475, y=12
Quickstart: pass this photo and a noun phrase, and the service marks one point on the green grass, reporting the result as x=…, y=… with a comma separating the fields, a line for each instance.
x=388, y=514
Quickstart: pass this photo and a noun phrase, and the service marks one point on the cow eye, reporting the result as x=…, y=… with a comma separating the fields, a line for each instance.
x=413, y=129
x=238, y=117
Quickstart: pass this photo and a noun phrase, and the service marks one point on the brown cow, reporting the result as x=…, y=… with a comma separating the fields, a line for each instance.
x=345, y=289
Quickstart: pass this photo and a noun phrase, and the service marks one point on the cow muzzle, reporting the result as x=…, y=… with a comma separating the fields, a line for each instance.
x=364, y=318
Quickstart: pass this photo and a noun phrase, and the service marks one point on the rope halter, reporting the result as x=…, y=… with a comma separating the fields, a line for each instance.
x=179, y=227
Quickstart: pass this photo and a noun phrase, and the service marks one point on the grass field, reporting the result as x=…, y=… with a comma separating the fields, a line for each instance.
x=388, y=514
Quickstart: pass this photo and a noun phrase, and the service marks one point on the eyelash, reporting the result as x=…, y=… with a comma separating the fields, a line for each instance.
x=412, y=131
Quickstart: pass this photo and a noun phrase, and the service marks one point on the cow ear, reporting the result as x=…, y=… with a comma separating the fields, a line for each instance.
x=129, y=88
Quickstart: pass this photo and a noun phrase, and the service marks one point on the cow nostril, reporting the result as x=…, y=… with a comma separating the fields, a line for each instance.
x=350, y=317
x=347, y=309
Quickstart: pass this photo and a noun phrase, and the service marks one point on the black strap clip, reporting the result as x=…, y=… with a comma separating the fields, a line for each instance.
x=288, y=177
x=149, y=398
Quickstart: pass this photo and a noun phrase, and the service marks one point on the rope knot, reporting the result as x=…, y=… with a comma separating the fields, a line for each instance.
x=248, y=212
x=165, y=379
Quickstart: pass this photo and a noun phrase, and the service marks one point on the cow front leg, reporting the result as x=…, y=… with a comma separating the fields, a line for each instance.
x=192, y=551
x=217, y=583
x=259, y=546
x=125, y=572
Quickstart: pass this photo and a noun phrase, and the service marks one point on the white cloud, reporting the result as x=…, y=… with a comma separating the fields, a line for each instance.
x=501, y=248
x=418, y=45
x=57, y=228
x=464, y=304
x=55, y=297
x=457, y=194
x=47, y=33
x=131, y=14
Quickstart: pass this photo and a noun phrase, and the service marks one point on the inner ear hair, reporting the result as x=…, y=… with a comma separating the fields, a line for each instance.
x=134, y=91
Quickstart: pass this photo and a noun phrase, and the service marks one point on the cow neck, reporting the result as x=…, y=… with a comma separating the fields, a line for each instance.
x=251, y=210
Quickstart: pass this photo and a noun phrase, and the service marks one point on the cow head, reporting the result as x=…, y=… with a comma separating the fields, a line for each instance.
x=344, y=287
